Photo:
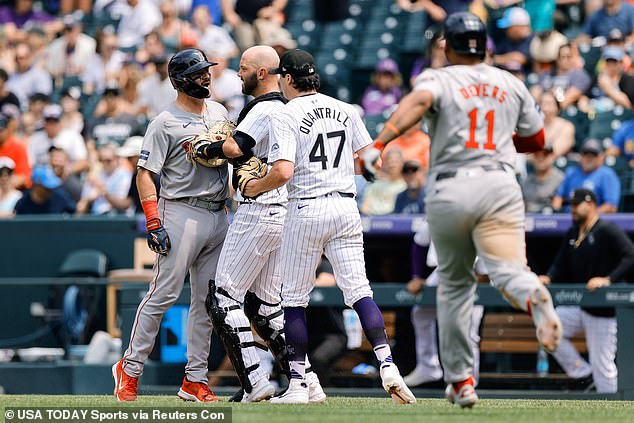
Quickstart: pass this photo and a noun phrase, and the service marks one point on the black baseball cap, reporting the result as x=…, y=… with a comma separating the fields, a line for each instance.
x=296, y=63
x=582, y=194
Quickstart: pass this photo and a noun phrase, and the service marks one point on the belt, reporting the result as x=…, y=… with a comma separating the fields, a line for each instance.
x=212, y=206
x=263, y=204
x=487, y=168
x=343, y=194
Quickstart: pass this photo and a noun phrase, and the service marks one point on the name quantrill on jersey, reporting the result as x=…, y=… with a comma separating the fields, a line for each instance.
x=322, y=113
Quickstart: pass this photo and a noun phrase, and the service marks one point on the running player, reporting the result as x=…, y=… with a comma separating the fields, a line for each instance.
x=313, y=141
x=190, y=216
x=473, y=201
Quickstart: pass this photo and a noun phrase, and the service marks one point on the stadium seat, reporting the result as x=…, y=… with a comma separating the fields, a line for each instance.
x=580, y=121
x=374, y=124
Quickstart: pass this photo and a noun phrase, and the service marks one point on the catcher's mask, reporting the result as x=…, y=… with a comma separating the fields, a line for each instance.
x=182, y=65
x=466, y=34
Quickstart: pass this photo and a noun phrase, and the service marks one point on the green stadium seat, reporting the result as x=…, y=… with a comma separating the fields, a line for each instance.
x=580, y=121
x=590, y=56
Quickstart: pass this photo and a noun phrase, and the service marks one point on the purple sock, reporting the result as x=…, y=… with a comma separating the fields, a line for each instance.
x=371, y=321
x=296, y=333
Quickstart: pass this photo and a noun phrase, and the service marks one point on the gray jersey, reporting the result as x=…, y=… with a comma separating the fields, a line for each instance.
x=164, y=151
x=475, y=111
x=256, y=125
x=320, y=135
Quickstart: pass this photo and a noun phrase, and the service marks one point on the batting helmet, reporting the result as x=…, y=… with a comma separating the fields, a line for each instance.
x=466, y=34
x=182, y=65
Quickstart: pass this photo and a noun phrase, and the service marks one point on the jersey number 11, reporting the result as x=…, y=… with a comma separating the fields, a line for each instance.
x=490, y=118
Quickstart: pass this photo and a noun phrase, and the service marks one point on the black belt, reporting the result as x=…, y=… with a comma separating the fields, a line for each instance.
x=213, y=206
x=452, y=173
x=343, y=194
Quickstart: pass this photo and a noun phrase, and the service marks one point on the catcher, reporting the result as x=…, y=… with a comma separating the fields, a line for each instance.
x=246, y=290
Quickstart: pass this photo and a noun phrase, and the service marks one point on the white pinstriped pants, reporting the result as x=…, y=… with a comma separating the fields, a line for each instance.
x=329, y=224
x=601, y=341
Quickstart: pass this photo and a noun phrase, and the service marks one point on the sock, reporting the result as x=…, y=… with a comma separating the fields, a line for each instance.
x=374, y=328
x=458, y=385
x=296, y=340
x=308, y=367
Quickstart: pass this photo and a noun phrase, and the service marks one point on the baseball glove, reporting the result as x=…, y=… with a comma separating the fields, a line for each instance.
x=218, y=132
x=248, y=170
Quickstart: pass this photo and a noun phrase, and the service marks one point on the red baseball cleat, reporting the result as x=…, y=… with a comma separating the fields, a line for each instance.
x=196, y=391
x=125, y=387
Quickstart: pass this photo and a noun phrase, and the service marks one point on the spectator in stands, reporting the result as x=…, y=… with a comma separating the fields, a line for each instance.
x=612, y=86
x=559, y=132
x=171, y=26
x=613, y=14
x=18, y=14
x=591, y=174
x=412, y=200
x=155, y=90
x=46, y=195
x=130, y=151
x=385, y=91
x=152, y=47
x=13, y=149
x=212, y=37
x=141, y=17
x=27, y=78
x=544, y=50
x=434, y=57
x=433, y=8
x=540, y=185
x=598, y=253
x=379, y=197
x=6, y=96
x=252, y=21
x=568, y=82
x=106, y=188
x=39, y=42
x=623, y=143
x=54, y=135
x=62, y=168
x=515, y=47
x=617, y=39
x=128, y=81
x=413, y=144
x=72, y=117
x=32, y=120
x=69, y=6
x=227, y=86
x=114, y=119
x=326, y=330
x=105, y=66
x=70, y=54
x=9, y=196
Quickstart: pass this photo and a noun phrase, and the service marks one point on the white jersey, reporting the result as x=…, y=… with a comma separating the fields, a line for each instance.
x=256, y=125
x=475, y=111
x=320, y=135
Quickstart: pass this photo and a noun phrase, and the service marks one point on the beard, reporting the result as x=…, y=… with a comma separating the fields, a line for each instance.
x=249, y=84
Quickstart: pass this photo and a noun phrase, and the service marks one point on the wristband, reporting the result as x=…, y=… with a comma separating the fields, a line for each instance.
x=392, y=128
x=150, y=209
x=378, y=144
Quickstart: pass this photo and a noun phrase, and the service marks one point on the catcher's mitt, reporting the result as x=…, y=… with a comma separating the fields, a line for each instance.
x=218, y=132
x=248, y=170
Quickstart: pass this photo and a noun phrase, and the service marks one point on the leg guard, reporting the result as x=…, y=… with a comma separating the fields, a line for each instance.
x=229, y=330
x=268, y=321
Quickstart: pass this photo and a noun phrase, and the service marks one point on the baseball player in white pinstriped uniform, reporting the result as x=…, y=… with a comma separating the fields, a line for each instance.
x=473, y=202
x=186, y=227
x=313, y=141
x=248, y=269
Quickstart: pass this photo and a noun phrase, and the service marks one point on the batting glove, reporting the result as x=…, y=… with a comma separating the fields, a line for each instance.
x=157, y=238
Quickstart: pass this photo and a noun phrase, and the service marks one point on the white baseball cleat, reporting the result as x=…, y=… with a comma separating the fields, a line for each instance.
x=395, y=386
x=297, y=393
x=261, y=391
x=316, y=393
x=465, y=397
x=549, y=328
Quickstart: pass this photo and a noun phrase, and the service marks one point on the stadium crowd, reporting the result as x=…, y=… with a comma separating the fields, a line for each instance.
x=80, y=80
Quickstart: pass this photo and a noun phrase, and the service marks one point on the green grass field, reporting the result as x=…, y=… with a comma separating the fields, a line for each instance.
x=368, y=410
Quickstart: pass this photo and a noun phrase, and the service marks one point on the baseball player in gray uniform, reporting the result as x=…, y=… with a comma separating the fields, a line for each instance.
x=473, y=202
x=313, y=140
x=248, y=269
x=186, y=226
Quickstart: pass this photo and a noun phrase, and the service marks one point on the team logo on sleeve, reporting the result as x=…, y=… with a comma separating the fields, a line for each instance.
x=144, y=155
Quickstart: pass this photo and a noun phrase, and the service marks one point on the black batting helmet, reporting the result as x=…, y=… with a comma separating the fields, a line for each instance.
x=182, y=65
x=466, y=34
